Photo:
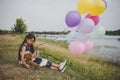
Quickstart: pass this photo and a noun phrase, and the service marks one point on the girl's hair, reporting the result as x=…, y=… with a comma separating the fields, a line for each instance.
x=29, y=36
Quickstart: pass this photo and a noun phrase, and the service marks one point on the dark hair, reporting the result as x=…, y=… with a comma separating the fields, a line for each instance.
x=29, y=36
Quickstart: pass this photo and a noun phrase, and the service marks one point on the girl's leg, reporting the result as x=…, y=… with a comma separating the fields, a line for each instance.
x=54, y=68
x=52, y=65
x=55, y=65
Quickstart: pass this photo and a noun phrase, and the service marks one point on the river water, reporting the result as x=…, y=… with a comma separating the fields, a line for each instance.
x=108, y=47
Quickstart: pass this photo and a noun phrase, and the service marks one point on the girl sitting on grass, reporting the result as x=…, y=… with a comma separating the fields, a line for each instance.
x=27, y=46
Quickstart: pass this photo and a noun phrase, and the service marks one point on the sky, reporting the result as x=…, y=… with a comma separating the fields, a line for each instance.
x=49, y=15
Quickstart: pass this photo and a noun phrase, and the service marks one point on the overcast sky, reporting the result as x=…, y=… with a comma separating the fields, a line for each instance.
x=49, y=15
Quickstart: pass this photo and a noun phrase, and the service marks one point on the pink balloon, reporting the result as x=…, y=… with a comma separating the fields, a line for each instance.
x=76, y=47
x=89, y=44
x=86, y=26
x=96, y=19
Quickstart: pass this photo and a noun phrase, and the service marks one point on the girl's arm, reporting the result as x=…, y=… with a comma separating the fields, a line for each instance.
x=36, y=52
x=22, y=57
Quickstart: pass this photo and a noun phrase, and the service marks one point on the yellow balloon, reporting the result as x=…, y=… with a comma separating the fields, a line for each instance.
x=84, y=6
x=97, y=8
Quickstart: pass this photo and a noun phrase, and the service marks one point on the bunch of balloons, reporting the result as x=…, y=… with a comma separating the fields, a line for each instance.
x=88, y=29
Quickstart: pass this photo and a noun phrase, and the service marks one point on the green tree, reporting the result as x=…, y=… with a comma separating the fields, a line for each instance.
x=20, y=26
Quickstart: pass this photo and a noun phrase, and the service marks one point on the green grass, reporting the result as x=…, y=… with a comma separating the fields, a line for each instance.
x=79, y=67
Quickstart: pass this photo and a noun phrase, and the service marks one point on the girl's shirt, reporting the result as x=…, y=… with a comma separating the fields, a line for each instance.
x=28, y=49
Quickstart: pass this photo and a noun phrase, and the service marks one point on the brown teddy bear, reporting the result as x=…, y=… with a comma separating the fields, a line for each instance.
x=28, y=57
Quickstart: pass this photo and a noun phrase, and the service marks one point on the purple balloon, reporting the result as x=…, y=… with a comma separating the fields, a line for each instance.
x=73, y=18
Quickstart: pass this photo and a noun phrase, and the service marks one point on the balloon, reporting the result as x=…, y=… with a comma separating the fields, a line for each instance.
x=98, y=32
x=105, y=3
x=71, y=36
x=73, y=18
x=81, y=36
x=76, y=47
x=86, y=26
x=74, y=35
x=89, y=44
x=84, y=6
x=97, y=8
x=94, y=18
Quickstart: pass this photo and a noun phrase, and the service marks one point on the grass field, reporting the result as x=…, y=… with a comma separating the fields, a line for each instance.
x=79, y=67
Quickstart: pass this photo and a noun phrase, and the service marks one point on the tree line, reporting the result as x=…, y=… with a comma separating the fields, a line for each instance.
x=21, y=27
x=115, y=32
x=49, y=32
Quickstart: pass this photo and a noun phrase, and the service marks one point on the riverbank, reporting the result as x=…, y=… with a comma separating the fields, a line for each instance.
x=79, y=67
x=107, y=47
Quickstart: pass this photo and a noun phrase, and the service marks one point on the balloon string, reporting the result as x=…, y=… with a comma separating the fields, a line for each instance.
x=53, y=39
x=60, y=35
x=41, y=44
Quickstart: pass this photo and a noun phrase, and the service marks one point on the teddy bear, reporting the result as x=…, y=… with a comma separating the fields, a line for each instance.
x=28, y=60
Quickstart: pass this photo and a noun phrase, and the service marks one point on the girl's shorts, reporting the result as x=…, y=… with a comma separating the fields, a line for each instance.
x=43, y=62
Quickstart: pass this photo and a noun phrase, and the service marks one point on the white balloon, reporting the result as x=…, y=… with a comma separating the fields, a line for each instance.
x=86, y=26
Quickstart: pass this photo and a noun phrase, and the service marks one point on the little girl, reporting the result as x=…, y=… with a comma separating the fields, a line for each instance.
x=27, y=46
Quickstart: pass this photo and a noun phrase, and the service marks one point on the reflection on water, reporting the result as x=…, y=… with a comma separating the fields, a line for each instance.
x=53, y=37
x=108, y=47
